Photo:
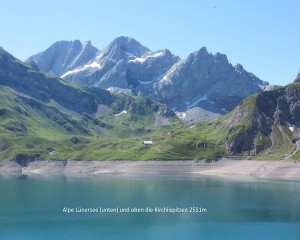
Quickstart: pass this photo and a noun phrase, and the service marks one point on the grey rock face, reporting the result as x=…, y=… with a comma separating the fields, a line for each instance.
x=108, y=67
x=143, y=72
x=63, y=56
x=123, y=63
x=204, y=79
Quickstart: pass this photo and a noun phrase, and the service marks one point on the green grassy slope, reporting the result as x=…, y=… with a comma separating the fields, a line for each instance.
x=30, y=127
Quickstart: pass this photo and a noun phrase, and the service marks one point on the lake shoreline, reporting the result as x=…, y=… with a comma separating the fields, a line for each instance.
x=284, y=169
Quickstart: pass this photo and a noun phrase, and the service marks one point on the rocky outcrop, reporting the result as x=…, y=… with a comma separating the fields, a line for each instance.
x=23, y=160
x=264, y=120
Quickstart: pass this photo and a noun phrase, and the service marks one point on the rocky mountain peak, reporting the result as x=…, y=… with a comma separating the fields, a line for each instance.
x=219, y=57
x=75, y=42
x=203, y=56
x=87, y=45
x=63, y=56
x=124, y=64
x=206, y=81
x=201, y=53
x=239, y=67
x=127, y=45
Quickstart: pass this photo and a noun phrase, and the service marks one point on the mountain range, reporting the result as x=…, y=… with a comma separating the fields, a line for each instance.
x=45, y=117
x=202, y=86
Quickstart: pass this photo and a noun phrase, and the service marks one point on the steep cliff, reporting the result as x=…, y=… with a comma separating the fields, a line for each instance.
x=268, y=122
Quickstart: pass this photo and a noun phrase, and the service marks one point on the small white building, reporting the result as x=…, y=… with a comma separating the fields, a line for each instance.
x=147, y=143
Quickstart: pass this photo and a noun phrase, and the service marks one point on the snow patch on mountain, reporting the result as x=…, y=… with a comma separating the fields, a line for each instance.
x=83, y=68
x=148, y=55
x=196, y=101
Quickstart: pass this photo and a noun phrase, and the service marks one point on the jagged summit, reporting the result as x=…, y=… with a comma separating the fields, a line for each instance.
x=201, y=52
x=207, y=81
x=129, y=45
x=219, y=57
x=124, y=63
x=63, y=56
x=239, y=67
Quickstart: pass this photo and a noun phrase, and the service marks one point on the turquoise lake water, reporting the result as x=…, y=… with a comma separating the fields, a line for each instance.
x=32, y=208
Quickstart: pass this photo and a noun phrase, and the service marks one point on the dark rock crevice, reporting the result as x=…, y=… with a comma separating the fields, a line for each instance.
x=23, y=159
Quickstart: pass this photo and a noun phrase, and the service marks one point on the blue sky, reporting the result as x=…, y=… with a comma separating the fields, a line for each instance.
x=261, y=35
